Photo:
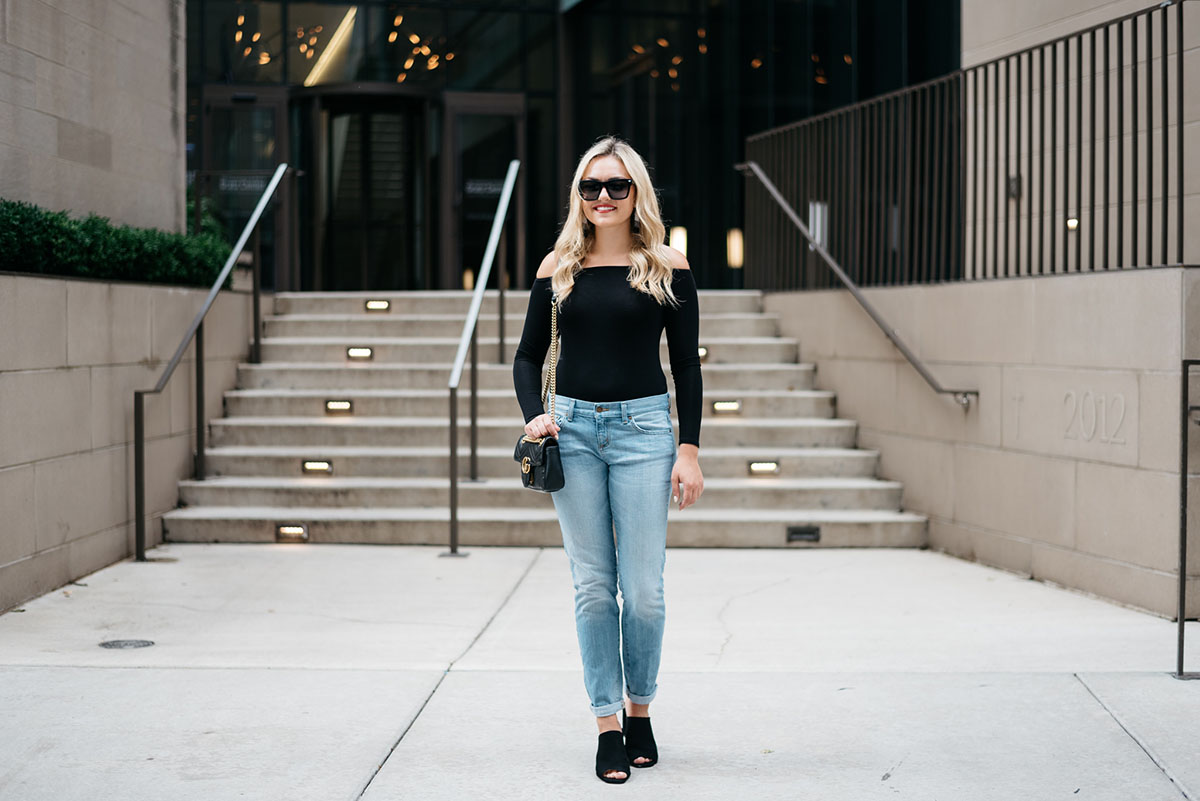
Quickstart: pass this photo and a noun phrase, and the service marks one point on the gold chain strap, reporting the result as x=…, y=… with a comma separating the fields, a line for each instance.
x=549, y=383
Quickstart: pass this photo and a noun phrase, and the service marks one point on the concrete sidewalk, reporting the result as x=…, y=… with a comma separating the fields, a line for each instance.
x=340, y=672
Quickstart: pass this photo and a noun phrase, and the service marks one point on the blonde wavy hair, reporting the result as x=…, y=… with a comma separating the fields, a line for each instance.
x=651, y=268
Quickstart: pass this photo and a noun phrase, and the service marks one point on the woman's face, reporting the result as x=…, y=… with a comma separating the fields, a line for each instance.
x=604, y=211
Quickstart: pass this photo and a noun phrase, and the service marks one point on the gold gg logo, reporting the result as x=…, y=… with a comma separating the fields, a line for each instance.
x=525, y=466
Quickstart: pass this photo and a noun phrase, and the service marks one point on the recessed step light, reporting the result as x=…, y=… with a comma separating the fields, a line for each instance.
x=291, y=533
x=378, y=305
x=727, y=407
x=339, y=407
x=360, y=354
x=317, y=467
x=764, y=468
x=702, y=352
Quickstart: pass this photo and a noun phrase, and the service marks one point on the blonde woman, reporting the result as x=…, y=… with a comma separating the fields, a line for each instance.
x=618, y=286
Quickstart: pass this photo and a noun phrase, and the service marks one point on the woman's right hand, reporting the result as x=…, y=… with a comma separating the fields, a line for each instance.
x=541, y=426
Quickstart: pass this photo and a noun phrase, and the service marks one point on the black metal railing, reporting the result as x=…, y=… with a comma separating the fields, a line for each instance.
x=962, y=396
x=467, y=343
x=1063, y=157
x=195, y=332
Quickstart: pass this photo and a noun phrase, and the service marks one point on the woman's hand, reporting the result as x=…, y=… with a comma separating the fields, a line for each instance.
x=541, y=426
x=687, y=482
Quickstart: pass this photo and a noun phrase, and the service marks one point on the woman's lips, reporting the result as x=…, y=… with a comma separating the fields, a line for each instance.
x=603, y=209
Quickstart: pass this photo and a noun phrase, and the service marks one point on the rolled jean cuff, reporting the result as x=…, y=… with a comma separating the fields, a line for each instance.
x=608, y=709
x=641, y=699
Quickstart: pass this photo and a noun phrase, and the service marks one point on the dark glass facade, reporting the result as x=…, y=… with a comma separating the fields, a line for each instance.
x=402, y=116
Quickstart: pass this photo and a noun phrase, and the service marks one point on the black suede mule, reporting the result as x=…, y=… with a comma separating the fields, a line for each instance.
x=610, y=756
x=639, y=742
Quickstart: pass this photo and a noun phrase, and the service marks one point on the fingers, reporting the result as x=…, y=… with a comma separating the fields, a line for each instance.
x=541, y=426
x=675, y=487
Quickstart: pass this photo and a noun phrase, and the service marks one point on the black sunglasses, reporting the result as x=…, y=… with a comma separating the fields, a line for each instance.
x=617, y=188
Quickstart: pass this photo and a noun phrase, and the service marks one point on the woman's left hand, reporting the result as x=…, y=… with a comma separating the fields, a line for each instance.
x=687, y=482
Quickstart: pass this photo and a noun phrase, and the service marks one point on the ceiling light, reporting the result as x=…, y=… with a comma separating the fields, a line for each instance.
x=378, y=305
x=727, y=407
x=339, y=407
x=764, y=468
x=291, y=533
x=360, y=353
x=318, y=466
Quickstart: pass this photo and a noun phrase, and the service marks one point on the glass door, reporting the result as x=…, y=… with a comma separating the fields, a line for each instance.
x=374, y=195
x=245, y=138
x=483, y=134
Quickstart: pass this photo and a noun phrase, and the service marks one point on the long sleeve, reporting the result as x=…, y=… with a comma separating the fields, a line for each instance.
x=683, y=341
x=531, y=352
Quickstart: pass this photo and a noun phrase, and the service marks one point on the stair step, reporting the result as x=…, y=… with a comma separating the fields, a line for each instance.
x=693, y=527
x=335, y=491
x=718, y=378
x=492, y=402
x=730, y=324
x=497, y=432
x=459, y=301
x=420, y=350
x=498, y=462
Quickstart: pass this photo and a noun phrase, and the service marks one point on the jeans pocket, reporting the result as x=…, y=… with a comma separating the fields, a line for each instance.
x=656, y=421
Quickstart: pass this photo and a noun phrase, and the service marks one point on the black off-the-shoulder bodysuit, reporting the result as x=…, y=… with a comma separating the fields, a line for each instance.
x=609, y=344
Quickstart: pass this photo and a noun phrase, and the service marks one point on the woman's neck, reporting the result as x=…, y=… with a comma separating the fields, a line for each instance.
x=611, y=245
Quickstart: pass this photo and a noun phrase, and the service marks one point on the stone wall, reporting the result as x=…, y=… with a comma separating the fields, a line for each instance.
x=72, y=352
x=91, y=108
x=1066, y=467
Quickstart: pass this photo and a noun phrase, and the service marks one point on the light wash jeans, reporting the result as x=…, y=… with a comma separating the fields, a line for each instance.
x=617, y=459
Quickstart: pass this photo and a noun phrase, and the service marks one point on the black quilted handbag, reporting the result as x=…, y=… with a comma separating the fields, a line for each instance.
x=541, y=465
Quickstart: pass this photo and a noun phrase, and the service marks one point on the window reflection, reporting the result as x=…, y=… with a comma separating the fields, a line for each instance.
x=409, y=46
x=326, y=43
x=243, y=42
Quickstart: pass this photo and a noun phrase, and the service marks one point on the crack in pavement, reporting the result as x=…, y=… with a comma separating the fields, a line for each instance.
x=520, y=580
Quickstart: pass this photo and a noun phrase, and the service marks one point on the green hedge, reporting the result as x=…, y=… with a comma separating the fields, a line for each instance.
x=33, y=240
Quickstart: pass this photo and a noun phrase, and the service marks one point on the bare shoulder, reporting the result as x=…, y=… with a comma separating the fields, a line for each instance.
x=678, y=260
x=546, y=268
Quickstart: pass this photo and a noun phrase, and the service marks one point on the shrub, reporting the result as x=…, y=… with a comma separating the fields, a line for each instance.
x=33, y=240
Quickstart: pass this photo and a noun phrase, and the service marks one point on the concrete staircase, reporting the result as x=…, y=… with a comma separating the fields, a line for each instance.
x=388, y=459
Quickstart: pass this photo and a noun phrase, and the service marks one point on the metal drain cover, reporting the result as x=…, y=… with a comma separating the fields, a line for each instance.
x=126, y=643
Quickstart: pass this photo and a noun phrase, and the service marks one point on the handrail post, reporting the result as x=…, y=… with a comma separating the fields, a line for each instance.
x=256, y=348
x=139, y=474
x=453, y=465
x=501, y=280
x=200, y=420
x=474, y=406
x=1185, y=413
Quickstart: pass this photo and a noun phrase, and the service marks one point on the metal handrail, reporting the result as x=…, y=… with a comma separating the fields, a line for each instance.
x=467, y=341
x=963, y=396
x=196, y=331
x=1185, y=418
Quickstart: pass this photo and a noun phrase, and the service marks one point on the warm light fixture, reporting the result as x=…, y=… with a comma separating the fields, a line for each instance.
x=1072, y=223
x=392, y=37
x=378, y=305
x=677, y=60
x=291, y=533
x=727, y=407
x=700, y=32
x=674, y=73
x=408, y=62
x=359, y=353
x=703, y=48
x=257, y=35
x=764, y=468
x=399, y=19
x=734, y=252
x=755, y=63
x=702, y=352
x=653, y=73
x=241, y=19
x=679, y=239
x=237, y=36
x=449, y=56
x=339, y=407
x=264, y=59
x=468, y=279
x=401, y=77
x=317, y=466
x=663, y=43
x=333, y=50
x=637, y=48
x=412, y=37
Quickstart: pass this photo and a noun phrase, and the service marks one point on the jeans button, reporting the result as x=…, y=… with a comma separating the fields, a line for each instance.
x=602, y=408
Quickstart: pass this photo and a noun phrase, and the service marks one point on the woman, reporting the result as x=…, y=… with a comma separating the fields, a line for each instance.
x=618, y=286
